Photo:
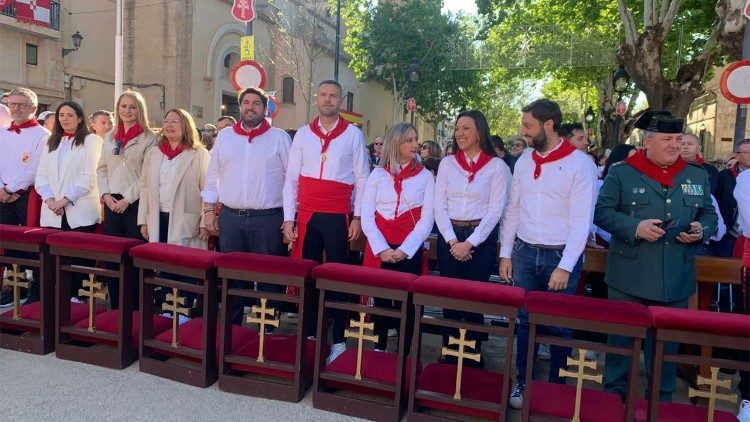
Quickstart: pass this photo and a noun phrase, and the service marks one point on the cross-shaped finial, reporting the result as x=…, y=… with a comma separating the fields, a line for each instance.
x=460, y=355
x=175, y=300
x=580, y=375
x=261, y=320
x=360, y=335
x=713, y=383
x=13, y=281
x=95, y=291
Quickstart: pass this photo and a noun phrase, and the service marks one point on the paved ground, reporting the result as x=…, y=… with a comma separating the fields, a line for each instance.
x=45, y=388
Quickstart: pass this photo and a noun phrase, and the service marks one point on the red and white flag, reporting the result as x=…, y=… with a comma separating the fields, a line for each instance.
x=33, y=11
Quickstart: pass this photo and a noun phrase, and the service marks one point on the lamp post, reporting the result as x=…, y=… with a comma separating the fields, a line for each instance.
x=413, y=73
x=620, y=83
x=589, y=115
x=77, y=40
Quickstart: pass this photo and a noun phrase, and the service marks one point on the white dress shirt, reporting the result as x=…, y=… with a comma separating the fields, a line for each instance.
x=20, y=156
x=248, y=175
x=380, y=196
x=347, y=161
x=483, y=199
x=167, y=174
x=75, y=192
x=555, y=209
x=742, y=195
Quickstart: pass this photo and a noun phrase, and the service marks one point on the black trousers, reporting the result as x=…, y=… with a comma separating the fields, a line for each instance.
x=479, y=268
x=16, y=212
x=77, y=279
x=329, y=233
x=255, y=231
x=121, y=225
x=412, y=265
x=189, y=296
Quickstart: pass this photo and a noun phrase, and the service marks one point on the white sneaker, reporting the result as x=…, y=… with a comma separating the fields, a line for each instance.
x=744, y=413
x=516, y=397
x=336, y=351
x=76, y=300
x=181, y=319
x=543, y=352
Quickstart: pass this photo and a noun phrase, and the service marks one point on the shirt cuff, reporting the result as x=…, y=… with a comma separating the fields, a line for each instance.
x=210, y=197
x=566, y=264
x=45, y=192
x=75, y=193
x=506, y=251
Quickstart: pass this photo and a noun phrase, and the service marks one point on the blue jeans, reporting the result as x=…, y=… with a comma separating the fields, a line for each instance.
x=532, y=268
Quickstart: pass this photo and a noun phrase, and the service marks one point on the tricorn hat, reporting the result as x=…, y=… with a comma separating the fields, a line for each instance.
x=660, y=121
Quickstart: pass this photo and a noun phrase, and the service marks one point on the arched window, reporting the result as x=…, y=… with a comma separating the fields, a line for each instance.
x=287, y=90
x=229, y=61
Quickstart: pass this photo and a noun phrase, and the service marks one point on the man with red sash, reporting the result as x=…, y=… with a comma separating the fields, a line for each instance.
x=545, y=226
x=327, y=163
x=21, y=146
x=246, y=175
x=658, y=209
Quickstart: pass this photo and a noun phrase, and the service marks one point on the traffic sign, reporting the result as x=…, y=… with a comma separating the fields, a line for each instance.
x=247, y=47
x=243, y=10
x=248, y=73
x=273, y=107
x=747, y=10
x=735, y=82
x=411, y=104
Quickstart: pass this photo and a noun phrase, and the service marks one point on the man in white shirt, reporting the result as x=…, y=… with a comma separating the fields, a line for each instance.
x=22, y=144
x=246, y=175
x=327, y=163
x=545, y=226
x=742, y=195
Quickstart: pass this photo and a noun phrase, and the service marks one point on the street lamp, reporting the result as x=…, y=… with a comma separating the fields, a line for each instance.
x=589, y=115
x=77, y=39
x=620, y=81
x=413, y=73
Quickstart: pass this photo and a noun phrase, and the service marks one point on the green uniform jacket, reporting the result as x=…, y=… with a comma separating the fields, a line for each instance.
x=663, y=270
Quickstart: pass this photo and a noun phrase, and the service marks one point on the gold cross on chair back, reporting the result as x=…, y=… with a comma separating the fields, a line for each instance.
x=713, y=383
x=262, y=322
x=580, y=375
x=360, y=335
x=174, y=300
x=92, y=290
x=13, y=281
x=460, y=355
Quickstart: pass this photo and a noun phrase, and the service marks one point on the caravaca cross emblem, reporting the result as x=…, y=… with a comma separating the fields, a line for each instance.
x=243, y=10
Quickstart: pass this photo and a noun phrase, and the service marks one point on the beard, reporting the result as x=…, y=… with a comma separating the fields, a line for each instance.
x=328, y=112
x=539, y=142
x=251, y=121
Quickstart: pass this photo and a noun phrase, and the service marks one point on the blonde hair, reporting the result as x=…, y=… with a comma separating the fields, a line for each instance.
x=31, y=95
x=140, y=104
x=189, y=131
x=395, y=136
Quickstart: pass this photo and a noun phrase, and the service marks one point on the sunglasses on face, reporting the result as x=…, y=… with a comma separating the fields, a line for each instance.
x=377, y=143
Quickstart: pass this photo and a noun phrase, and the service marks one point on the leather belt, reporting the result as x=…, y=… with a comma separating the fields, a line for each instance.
x=252, y=213
x=545, y=247
x=467, y=223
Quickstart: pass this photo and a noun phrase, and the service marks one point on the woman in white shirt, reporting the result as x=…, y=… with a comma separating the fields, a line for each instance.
x=397, y=213
x=470, y=193
x=66, y=177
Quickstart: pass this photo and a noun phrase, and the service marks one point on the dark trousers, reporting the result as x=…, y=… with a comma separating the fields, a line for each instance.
x=329, y=233
x=479, y=268
x=532, y=268
x=616, y=367
x=411, y=265
x=255, y=231
x=77, y=279
x=15, y=213
x=120, y=225
x=163, y=236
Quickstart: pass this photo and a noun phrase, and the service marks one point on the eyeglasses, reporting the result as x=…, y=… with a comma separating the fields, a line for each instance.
x=18, y=105
x=423, y=147
x=377, y=143
x=117, y=148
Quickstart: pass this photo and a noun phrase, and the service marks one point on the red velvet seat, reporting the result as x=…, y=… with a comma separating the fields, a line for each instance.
x=679, y=412
x=268, y=264
x=559, y=401
x=190, y=334
x=181, y=256
x=276, y=348
x=476, y=384
x=109, y=322
x=21, y=234
x=364, y=276
x=380, y=367
x=721, y=323
x=78, y=312
x=469, y=290
x=93, y=242
x=586, y=308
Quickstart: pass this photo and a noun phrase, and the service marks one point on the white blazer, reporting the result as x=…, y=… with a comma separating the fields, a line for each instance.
x=186, y=217
x=77, y=169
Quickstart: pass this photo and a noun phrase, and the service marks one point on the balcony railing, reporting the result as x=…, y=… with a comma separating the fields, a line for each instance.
x=54, y=13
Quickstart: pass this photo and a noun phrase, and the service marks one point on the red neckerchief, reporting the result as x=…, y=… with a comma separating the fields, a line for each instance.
x=412, y=169
x=561, y=152
x=699, y=160
x=341, y=126
x=27, y=124
x=167, y=150
x=735, y=170
x=68, y=135
x=254, y=132
x=482, y=160
x=640, y=162
x=125, y=137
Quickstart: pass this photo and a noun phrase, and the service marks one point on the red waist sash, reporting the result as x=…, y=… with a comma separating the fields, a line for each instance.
x=395, y=232
x=319, y=195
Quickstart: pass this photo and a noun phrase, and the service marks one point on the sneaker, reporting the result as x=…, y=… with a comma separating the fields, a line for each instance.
x=76, y=300
x=516, y=397
x=590, y=355
x=181, y=319
x=336, y=351
x=744, y=413
x=543, y=352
